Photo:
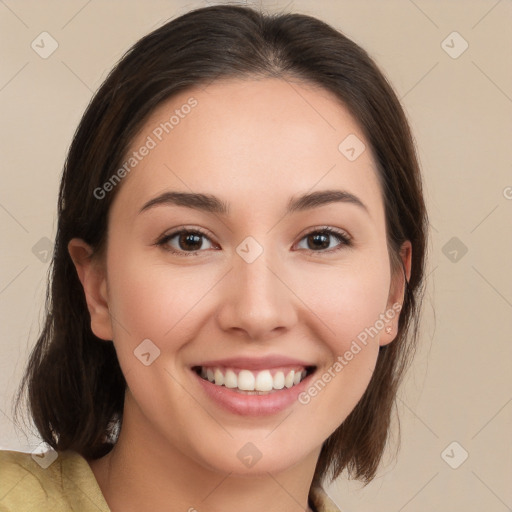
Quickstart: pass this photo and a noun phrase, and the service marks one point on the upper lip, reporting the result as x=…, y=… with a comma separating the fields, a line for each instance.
x=255, y=363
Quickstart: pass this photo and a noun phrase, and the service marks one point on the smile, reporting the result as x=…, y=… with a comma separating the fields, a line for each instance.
x=253, y=386
x=254, y=382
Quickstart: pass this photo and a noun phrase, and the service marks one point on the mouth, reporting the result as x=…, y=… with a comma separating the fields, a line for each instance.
x=254, y=382
x=253, y=387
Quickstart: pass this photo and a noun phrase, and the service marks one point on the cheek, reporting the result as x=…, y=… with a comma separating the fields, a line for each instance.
x=348, y=303
x=159, y=301
x=347, y=299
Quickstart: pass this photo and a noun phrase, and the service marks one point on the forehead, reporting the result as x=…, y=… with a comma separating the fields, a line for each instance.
x=255, y=142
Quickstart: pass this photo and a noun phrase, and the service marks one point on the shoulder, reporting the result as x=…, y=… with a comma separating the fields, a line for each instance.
x=22, y=481
x=320, y=500
x=51, y=481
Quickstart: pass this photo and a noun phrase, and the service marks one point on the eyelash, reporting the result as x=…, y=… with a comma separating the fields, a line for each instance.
x=325, y=230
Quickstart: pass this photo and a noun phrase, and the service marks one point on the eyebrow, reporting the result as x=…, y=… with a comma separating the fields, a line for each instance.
x=212, y=204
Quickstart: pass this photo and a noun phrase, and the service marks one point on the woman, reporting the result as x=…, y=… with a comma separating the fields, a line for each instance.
x=237, y=276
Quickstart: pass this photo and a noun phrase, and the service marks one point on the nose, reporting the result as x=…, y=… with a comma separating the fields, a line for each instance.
x=258, y=301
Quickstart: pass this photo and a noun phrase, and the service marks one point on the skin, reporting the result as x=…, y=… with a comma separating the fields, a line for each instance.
x=255, y=144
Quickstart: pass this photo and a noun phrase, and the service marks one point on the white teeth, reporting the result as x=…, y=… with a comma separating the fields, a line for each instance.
x=279, y=380
x=288, y=381
x=230, y=380
x=246, y=380
x=257, y=382
x=264, y=381
x=219, y=378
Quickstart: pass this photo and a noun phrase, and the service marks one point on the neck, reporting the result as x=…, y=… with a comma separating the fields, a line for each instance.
x=146, y=472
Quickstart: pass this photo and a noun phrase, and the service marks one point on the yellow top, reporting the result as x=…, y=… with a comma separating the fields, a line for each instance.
x=64, y=481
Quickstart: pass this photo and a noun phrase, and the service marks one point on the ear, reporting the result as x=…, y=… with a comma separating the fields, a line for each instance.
x=94, y=282
x=396, y=294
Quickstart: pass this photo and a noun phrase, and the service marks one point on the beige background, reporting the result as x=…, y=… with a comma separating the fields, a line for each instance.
x=460, y=110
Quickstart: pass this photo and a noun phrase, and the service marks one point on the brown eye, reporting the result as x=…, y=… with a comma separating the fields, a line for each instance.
x=318, y=241
x=190, y=241
x=324, y=240
x=185, y=242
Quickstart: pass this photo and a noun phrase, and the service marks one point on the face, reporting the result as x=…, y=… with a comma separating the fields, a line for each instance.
x=280, y=300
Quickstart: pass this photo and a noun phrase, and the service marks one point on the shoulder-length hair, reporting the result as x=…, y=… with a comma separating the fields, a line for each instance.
x=73, y=382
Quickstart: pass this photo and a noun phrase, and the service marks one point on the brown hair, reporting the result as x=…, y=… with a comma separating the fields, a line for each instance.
x=74, y=384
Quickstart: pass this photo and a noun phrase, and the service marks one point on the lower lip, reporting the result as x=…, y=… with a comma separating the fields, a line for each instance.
x=253, y=405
